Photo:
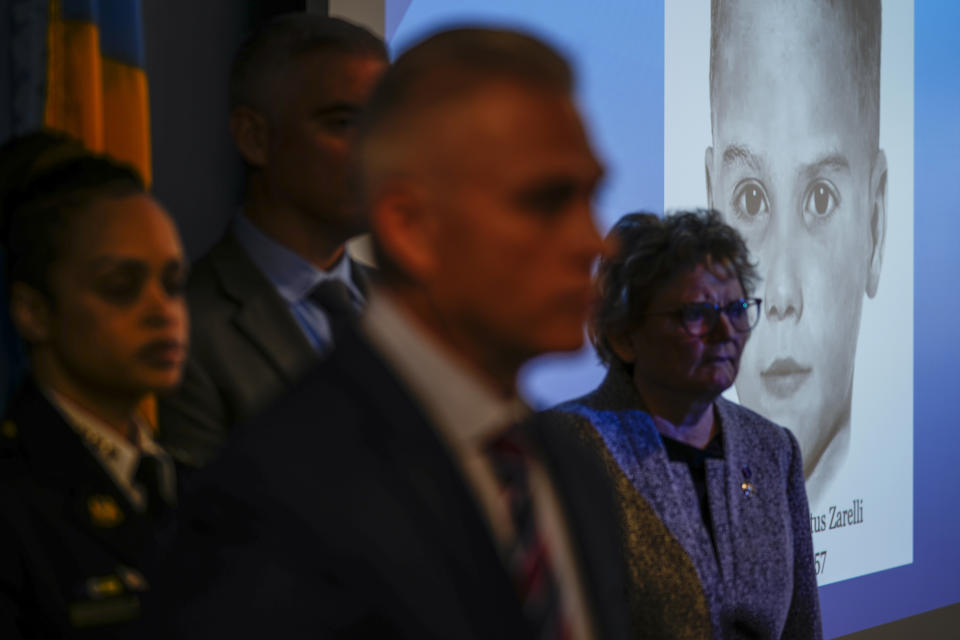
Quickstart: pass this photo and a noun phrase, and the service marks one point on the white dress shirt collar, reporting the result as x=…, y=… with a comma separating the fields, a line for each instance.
x=292, y=276
x=116, y=454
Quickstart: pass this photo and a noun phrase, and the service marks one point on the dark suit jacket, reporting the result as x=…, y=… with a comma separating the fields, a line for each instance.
x=358, y=523
x=72, y=547
x=245, y=347
x=758, y=577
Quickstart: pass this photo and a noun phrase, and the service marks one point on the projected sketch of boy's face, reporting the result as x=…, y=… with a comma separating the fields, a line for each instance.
x=795, y=168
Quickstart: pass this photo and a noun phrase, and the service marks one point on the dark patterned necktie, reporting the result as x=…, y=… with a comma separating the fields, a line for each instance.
x=149, y=475
x=333, y=296
x=527, y=558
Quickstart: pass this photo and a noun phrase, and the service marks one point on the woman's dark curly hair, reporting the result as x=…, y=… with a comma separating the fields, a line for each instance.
x=44, y=177
x=650, y=251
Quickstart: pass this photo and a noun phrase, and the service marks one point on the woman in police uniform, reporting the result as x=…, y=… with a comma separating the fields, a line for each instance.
x=94, y=272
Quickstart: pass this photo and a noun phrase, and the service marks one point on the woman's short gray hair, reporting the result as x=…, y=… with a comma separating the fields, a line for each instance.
x=651, y=250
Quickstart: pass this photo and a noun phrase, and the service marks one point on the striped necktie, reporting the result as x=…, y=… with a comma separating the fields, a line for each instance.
x=526, y=557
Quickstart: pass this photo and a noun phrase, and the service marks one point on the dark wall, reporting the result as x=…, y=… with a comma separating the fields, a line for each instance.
x=189, y=46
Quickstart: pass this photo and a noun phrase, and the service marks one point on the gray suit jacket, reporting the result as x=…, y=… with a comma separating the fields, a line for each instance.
x=759, y=581
x=245, y=348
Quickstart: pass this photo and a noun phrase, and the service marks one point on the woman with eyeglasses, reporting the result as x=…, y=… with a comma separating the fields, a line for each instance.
x=94, y=271
x=714, y=512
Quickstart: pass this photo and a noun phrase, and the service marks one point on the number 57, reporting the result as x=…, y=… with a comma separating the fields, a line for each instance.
x=820, y=561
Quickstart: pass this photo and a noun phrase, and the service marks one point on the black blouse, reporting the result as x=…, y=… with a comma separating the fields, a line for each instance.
x=695, y=460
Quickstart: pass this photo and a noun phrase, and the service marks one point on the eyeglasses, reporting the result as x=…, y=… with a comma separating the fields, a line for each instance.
x=699, y=318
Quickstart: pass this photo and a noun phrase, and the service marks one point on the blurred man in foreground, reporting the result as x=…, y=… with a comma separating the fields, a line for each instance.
x=415, y=506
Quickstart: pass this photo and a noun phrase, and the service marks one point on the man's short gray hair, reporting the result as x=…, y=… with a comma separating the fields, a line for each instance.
x=445, y=67
x=276, y=44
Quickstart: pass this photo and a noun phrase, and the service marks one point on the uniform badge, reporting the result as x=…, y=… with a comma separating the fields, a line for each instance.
x=104, y=587
x=104, y=511
x=9, y=429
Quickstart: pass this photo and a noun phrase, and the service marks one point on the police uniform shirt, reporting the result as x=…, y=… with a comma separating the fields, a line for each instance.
x=117, y=454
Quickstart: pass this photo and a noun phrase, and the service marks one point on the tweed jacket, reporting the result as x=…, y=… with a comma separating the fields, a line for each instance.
x=758, y=573
x=245, y=348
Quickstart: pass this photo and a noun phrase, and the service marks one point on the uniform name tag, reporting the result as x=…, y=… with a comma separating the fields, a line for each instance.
x=92, y=613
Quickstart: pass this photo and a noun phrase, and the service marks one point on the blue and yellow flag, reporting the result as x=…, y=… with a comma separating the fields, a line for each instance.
x=97, y=85
x=96, y=82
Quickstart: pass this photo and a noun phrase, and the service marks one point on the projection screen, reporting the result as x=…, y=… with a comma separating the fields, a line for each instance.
x=843, y=178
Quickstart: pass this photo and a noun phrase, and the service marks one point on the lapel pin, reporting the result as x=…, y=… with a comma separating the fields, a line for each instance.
x=104, y=511
x=746, y=486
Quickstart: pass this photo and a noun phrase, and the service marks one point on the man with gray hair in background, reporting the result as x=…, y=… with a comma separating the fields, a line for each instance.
x=417, y=505
x=266, y=299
